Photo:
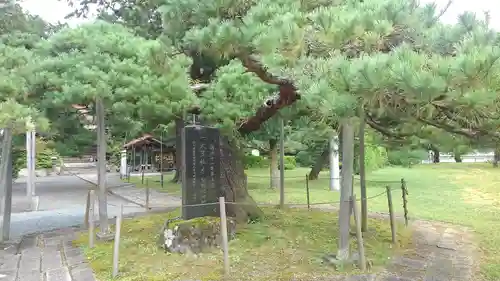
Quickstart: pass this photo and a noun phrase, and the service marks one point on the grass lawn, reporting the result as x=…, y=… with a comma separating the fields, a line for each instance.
x=286, y=244
x=460, y=193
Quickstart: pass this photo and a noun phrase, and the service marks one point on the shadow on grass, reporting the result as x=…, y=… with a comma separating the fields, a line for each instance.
x=285, y=244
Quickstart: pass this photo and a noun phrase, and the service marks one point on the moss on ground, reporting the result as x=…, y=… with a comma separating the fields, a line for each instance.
x=285, y=244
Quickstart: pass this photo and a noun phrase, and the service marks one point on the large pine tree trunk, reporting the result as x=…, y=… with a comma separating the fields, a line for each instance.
x=318, y=164
x=457, y=157
x=179, y=124
x=234, y=184
x=273, y=167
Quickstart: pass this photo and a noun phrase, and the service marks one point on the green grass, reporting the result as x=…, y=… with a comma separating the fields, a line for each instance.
x=460, y=193
x=284, y=245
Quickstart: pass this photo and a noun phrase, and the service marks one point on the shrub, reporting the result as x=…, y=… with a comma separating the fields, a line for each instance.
x=290, y=163
x=375, y=157
x=252, y=161
x=305, y=158
x=406, y=158
x=44, y=159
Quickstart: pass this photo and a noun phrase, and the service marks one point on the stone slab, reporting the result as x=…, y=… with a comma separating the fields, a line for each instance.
x=8, y=275
x=31, y=252
x=59, y=274
x=9, y=262
x=51, y=260
x=28, y=242
x=53, y=242
x=82, y=272
x=33, y=275
x=29, y=263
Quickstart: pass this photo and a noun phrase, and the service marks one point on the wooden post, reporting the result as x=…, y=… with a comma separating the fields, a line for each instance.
x=91, y=218
x=359, y=234
x=223, y=230
x=405, y=205
x=143, y=167
x=147, y=198
x=391, y=214
x=161, y=157
x=116, y=249
x=282, y=162
x=87, y=211
x=307, y=190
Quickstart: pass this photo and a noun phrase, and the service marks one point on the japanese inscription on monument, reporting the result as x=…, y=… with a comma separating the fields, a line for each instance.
x=201, y=172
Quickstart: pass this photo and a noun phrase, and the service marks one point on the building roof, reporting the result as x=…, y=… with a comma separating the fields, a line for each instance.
x=149, y=139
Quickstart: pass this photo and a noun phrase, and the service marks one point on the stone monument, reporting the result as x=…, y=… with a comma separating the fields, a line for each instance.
x=201, y=174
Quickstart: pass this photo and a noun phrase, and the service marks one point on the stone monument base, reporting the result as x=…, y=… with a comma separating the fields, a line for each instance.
x=194, y=235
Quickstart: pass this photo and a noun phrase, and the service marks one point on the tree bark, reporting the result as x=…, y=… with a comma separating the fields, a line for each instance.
x=458, y=157
x=179, y=124
x=496, y=157
x=101, y=167
x=346, y=188
x=435, y=154
x=273, y=167
x=234, y=184
x=318, y=164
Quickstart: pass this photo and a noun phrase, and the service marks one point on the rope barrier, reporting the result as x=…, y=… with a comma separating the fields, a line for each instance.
x=263, y=204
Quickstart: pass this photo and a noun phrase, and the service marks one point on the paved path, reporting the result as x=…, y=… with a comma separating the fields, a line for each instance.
x=44, y=257
x=62, y=204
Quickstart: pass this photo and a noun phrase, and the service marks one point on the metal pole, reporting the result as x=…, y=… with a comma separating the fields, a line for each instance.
x=28, y=165
x=282, y=163
x=362, y=171
x=33, y=163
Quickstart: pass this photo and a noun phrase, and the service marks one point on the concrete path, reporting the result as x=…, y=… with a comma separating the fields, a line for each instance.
x=62, y=204
x=44, y=257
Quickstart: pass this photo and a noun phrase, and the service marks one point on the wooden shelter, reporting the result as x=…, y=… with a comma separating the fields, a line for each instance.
x=150, y=154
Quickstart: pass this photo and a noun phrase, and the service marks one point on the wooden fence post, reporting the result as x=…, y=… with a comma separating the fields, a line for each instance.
x=147, y=198
x=116, y=249
x=307, y=190
x=223, y=230
x=359, y=234
x=87, y=210
x=91, y=218
x=391, y=214
x=404, y=191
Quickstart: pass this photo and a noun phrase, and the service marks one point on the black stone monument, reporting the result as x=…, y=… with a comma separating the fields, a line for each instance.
x=201, y=174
